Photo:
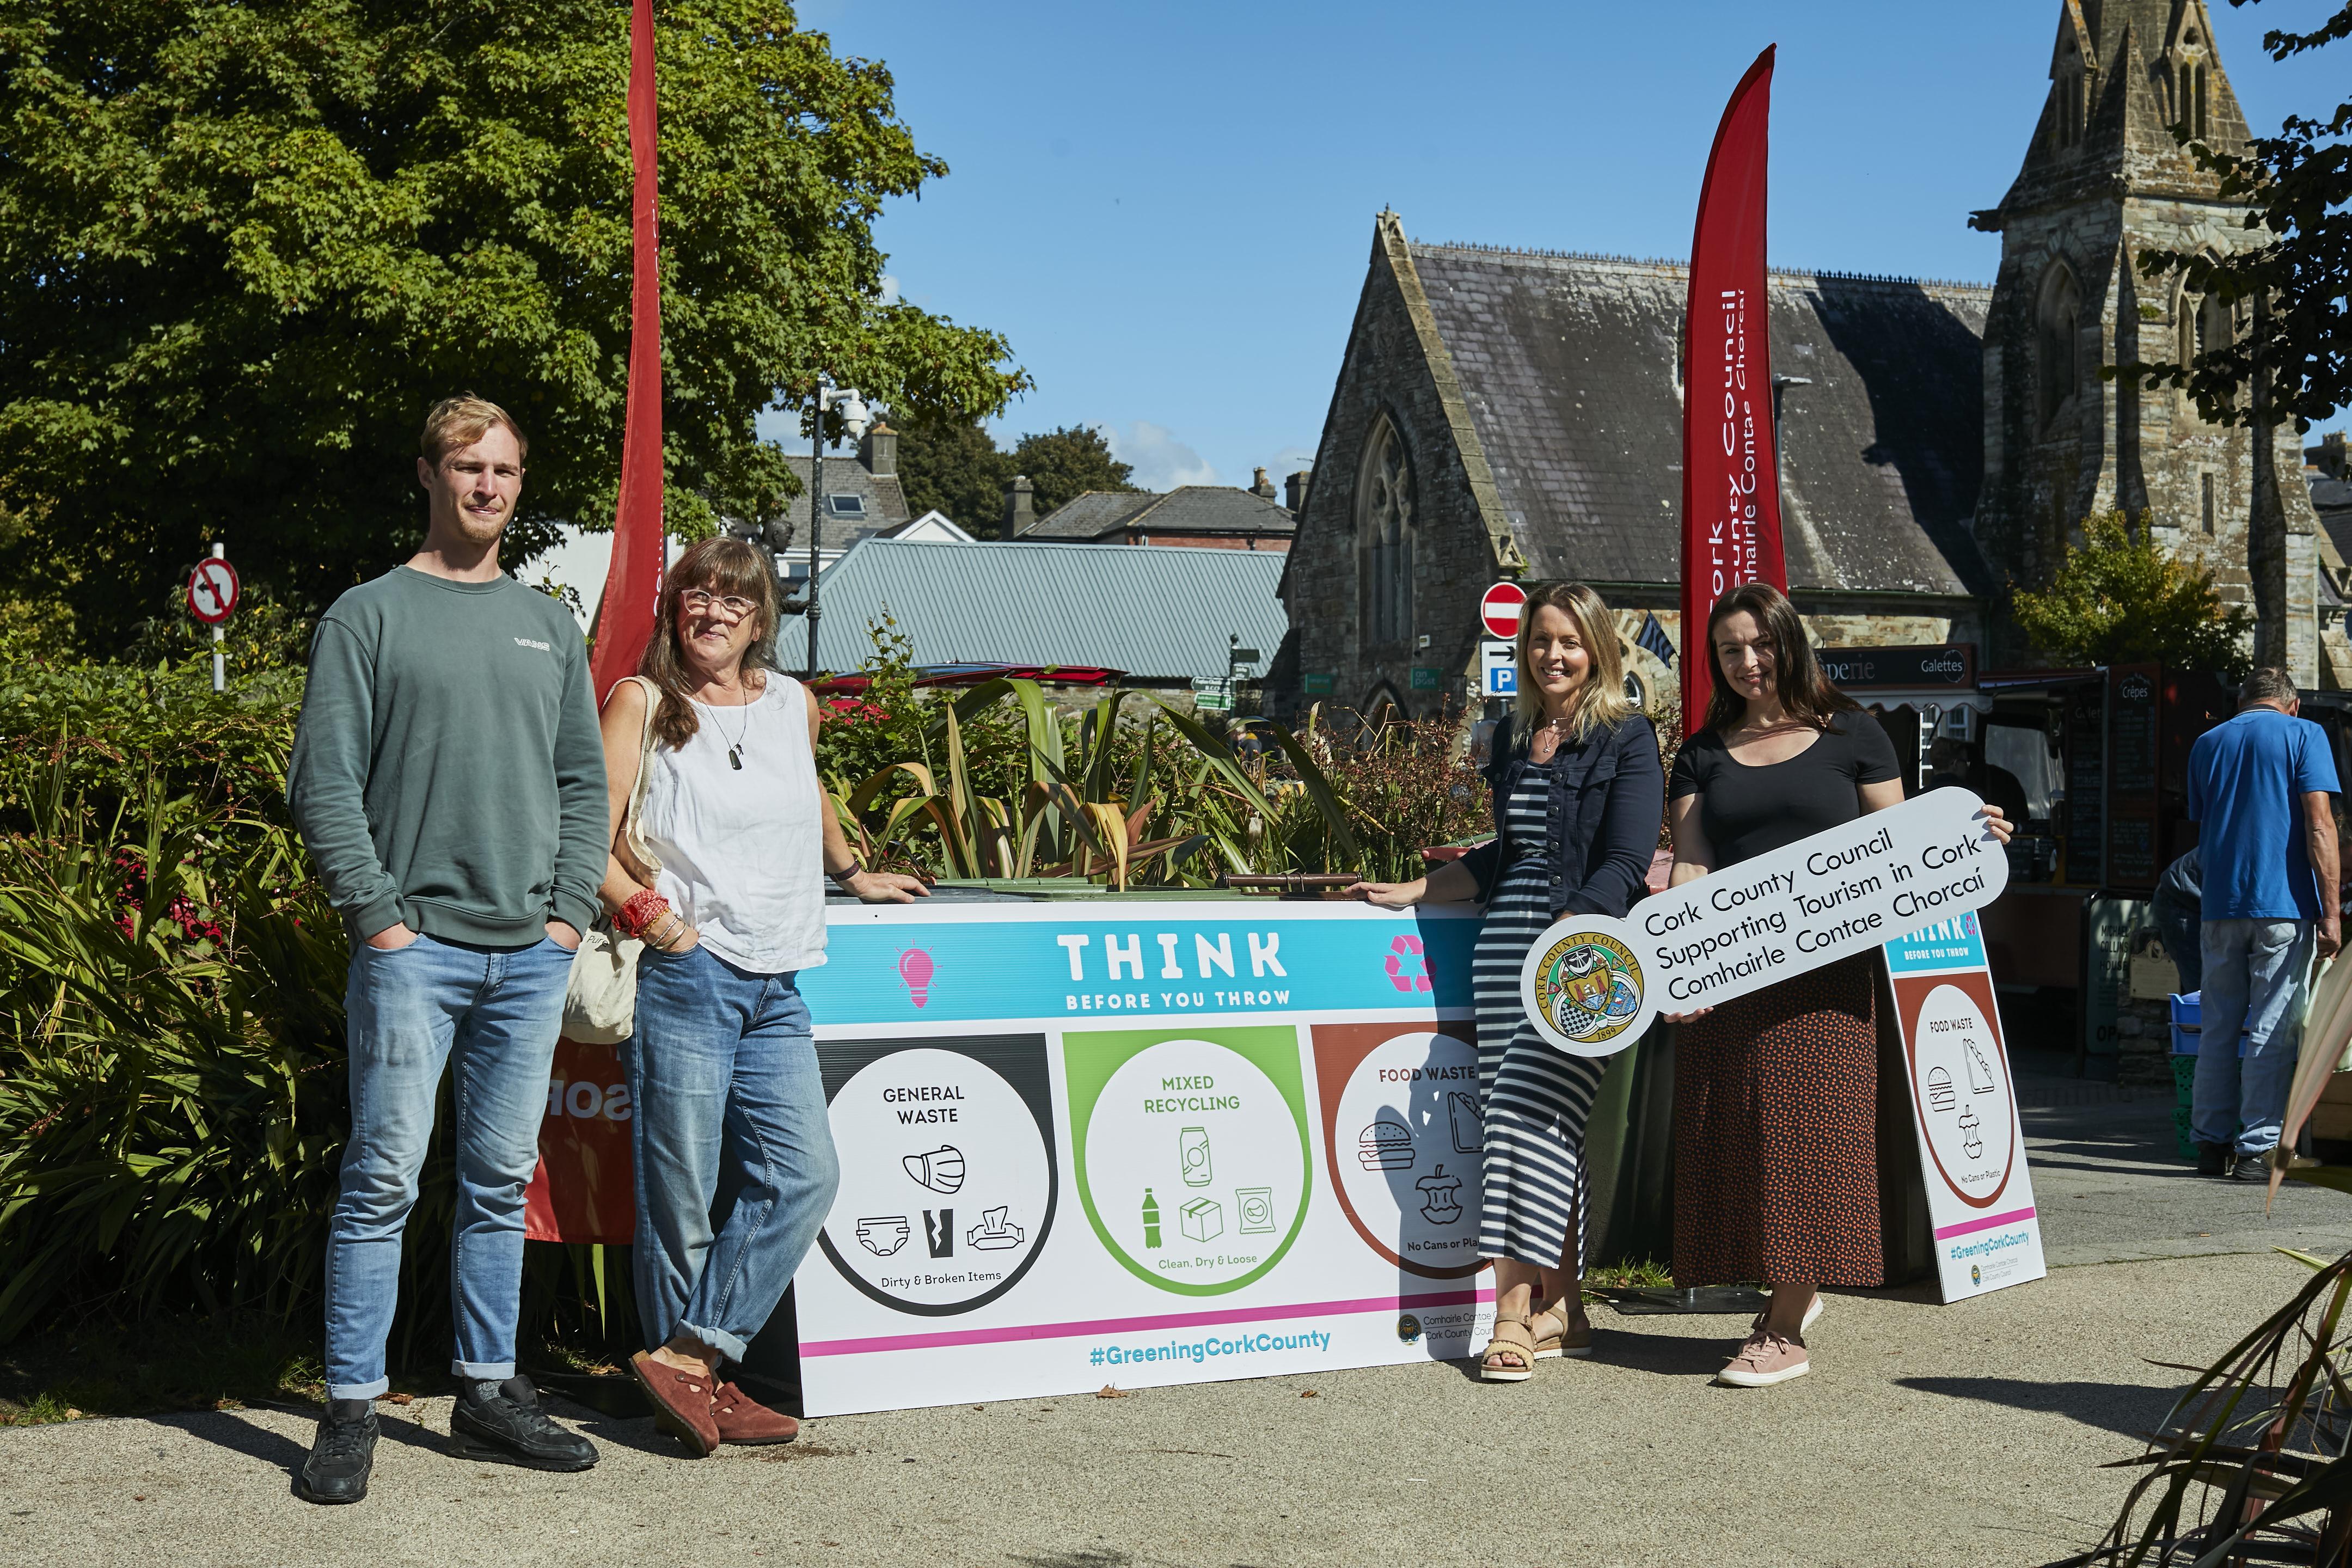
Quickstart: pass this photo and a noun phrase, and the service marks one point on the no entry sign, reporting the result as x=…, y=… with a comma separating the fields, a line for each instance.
x=1500, y=609
x=212, y=591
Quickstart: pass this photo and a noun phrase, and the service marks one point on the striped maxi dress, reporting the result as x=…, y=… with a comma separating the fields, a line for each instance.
x=1536, y=1098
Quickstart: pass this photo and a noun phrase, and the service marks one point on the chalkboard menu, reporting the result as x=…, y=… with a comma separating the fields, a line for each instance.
x=2135, y=697
x=2087, y=771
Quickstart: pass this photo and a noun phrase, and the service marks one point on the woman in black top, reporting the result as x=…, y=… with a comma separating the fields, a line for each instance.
x=1576, y=802
x=1776, y=1093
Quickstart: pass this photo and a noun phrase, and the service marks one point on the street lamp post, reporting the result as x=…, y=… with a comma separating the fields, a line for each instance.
x=853, y=419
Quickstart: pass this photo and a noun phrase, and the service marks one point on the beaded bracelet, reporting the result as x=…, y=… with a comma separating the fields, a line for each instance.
x=643, y=907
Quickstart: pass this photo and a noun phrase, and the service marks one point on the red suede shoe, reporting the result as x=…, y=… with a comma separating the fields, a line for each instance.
x=743, y=1419
x=682, y=1402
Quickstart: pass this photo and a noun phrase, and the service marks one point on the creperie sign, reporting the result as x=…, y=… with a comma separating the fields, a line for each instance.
x=1731, y=533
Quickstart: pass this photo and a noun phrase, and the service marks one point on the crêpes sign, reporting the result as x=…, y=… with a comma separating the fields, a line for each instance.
x=1591, y=984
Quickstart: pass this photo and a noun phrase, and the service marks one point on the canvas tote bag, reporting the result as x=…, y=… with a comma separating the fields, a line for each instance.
x=600, y=1003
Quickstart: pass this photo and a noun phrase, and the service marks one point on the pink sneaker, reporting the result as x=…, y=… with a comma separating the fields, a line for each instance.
x=1765, y=1359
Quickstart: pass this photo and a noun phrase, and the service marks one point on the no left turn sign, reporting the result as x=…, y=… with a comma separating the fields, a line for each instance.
x=212, y=591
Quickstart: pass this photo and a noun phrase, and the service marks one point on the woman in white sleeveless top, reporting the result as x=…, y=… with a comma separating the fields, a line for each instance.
x=722, y=1069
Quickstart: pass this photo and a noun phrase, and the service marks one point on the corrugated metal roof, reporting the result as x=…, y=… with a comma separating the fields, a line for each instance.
x=1155, y=613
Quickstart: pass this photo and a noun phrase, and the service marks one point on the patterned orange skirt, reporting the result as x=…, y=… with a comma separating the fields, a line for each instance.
x=1776, y=1134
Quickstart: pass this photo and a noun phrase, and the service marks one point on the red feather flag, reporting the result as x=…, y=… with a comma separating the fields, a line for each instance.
x=583, y=1188
x=1731, y=492
x=624, y=616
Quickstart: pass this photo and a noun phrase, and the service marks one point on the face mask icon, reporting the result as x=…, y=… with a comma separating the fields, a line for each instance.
x=941, y=1170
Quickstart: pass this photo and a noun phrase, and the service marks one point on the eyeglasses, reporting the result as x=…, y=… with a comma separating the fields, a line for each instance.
x=733, y=606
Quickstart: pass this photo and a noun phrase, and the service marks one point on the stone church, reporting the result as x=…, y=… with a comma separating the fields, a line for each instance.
x=1502, y=413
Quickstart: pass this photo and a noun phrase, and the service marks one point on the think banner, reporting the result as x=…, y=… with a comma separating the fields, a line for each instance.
x=1591, y=984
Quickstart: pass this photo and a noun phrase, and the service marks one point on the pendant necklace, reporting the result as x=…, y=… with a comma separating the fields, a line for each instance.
x=735, y=752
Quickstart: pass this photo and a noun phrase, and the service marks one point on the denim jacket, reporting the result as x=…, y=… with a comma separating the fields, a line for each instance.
x=1608, y=794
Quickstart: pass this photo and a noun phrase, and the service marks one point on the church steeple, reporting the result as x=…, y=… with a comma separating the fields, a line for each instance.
x=2103, y=182
x=2123, y=73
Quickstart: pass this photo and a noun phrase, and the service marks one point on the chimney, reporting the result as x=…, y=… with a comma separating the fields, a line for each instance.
x=879, y=450
x=1019, y=511
x=1294, y=491
x=1265, y=486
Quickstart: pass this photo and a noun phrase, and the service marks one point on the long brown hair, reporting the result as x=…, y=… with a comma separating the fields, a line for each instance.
x=721, y=566
x=1804, y=690
x=1603, y=700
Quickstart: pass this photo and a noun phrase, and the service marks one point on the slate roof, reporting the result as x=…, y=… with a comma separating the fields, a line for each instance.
x=846, y=475
x=1157, y=613
x=2331, y=498
x=1568, y=365
x=1186, y=509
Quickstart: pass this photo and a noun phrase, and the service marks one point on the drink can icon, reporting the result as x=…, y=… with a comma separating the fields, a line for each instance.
x=1193, y=1149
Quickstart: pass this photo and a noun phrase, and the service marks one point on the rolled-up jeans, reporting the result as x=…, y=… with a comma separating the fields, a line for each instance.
x=492, y=1016
x=724, y=1092
x=2255, y=974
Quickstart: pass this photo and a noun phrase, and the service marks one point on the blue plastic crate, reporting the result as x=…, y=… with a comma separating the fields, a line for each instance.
x=2185, y=1027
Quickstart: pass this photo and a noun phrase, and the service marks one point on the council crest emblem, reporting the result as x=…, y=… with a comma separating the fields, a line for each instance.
x=1583, y=987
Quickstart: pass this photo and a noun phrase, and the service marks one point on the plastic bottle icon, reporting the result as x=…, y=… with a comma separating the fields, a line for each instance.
x=1150, y=1220
x=916, y=969
x=1193, y=1149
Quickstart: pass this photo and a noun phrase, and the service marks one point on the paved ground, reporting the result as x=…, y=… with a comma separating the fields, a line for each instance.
x=1967, y=1435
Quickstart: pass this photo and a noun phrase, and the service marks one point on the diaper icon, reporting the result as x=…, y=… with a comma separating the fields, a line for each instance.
x=883, y=1235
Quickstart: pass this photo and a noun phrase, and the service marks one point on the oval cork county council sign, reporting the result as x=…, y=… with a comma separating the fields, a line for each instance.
x=1592, y=985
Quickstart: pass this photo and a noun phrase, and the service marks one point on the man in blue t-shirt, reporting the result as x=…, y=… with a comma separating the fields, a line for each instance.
x=2259, y=786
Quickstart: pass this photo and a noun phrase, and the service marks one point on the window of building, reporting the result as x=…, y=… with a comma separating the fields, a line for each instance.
x=2208, y=501
x=1384, y=537
x=2057, y=342
x=2073, y=108
x=844, y=506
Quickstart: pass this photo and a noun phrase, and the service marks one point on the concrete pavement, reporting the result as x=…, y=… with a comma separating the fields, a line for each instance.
x=1967, y=1435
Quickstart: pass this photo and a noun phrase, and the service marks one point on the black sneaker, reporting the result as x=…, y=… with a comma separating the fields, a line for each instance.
x=2213, y=1159
x=503, y=1422
x=2252, y=1168
x=343, y=1454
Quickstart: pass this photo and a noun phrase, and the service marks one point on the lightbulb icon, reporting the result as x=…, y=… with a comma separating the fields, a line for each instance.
x=915, y=968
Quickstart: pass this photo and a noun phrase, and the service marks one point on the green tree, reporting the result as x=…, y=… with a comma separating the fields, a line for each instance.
x=1066, y=463
x=2293, y=356
x=952, y=466
x=242, y=247
x=2117, y=599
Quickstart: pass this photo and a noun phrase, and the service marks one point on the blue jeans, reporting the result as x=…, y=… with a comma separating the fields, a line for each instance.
x=723, y=1081
x=492, y=1014
x=2255, y=973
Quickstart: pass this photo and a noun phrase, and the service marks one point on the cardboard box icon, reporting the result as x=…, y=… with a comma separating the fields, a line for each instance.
x=1204, y=1219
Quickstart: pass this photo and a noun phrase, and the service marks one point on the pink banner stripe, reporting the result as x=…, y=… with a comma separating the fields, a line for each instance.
x=1138, y=1325
x=1965, y=1226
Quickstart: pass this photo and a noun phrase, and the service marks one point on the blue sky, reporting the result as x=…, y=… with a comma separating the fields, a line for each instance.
x=1167, y=208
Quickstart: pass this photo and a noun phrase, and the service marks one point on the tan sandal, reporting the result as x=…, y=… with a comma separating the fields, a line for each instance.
x=1510, y=1338
x=1567, y=1340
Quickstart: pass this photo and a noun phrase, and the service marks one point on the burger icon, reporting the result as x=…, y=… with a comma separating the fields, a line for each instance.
x=1386, y=1145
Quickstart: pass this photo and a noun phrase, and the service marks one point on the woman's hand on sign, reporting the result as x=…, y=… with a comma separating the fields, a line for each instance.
x=1389, y=894
x=1686, y=1017
x=2001, y=827
x=886, y=887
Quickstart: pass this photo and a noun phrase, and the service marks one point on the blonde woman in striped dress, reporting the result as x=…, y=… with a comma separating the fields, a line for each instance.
x=1578, y=793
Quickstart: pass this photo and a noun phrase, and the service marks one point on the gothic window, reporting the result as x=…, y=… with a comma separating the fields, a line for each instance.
x=1384, y=535
x=2073, y=108
x=2189, y=96
x=2209, y=500
x=2057, y=342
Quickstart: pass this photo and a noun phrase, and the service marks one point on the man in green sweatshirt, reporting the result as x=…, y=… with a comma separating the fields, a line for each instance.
x=449, y=781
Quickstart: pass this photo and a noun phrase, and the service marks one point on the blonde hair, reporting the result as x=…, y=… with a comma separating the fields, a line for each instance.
x=1602, y=701
x=461, y=421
